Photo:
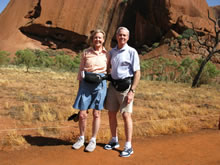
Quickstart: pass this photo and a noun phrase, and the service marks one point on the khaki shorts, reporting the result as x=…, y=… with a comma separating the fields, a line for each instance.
x=116, y=101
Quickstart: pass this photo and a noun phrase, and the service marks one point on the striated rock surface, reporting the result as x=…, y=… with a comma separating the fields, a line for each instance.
x=56, y=24
x=216, y=10
x=66, y=24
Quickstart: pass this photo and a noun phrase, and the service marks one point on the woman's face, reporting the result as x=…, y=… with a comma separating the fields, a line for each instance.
x=98, y=40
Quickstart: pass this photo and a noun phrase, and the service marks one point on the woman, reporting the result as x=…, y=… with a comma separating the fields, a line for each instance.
x=91, y=95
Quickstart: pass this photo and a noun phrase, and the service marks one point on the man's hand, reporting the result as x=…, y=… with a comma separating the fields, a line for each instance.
x=130, y=97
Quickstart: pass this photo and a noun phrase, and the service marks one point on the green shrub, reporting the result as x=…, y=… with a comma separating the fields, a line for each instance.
x=47, y=59
x=76, y=63
x=64, y=62
x=185, y=69
x=4, y=59
x=146, y=67
x=143, y=53
x=188, y=33
x=209, y=72
x=162, y=69
x=43, y=59
x=180, y=37
x=155, y=45
x=54, y=53
x=157, y=69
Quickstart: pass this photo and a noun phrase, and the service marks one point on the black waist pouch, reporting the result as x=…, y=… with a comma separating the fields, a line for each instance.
x=122, y=84
x=92, y=77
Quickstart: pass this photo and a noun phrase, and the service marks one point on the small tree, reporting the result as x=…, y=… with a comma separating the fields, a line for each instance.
x=212, y=49
x=25, y=57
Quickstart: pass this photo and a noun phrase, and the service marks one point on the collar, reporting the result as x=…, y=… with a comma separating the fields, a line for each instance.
x=123, y=48
x=103, y=49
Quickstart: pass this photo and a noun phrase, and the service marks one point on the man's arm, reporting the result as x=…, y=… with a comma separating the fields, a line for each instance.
x=137, y=76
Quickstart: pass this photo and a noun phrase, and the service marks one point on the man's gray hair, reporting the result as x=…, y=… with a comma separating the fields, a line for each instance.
x=124, y=28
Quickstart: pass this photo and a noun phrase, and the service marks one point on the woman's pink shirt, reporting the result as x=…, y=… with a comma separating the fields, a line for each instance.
x=93, y=62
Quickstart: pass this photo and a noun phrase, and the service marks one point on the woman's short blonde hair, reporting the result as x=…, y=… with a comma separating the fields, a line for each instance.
x=93, y=33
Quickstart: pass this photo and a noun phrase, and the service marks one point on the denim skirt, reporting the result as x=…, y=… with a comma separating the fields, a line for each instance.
x=91, y=95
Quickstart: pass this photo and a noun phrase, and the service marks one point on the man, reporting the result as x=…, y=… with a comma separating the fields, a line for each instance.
x=125, y=65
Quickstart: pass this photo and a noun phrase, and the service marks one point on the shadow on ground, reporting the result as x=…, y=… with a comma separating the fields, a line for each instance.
x=45, y=141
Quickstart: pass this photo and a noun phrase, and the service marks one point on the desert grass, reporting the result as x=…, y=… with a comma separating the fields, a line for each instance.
x=39, y=102
x=13, y=141
x=175, y=108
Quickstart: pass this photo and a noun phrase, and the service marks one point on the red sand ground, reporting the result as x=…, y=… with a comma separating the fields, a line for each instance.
x=199, y=148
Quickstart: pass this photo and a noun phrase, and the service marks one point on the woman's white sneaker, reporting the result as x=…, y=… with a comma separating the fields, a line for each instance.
x=78, y=144
x=91, y=146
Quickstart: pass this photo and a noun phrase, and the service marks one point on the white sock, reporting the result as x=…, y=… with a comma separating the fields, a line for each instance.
x=128, y=145
x=93, y=139
x=114, y=139
x=82, y=137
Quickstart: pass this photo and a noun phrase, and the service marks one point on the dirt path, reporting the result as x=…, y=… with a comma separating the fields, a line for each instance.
x=200, y=148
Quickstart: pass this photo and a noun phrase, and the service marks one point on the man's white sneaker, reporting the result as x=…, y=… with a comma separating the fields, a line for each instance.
x=127, y=152
x=111, y=145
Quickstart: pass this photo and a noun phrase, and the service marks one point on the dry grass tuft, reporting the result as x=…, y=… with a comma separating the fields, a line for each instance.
x=13, y=141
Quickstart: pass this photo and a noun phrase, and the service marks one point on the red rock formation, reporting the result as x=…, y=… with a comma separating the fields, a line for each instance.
x=155, y=18
x=60, y=24
x=66, y=24
x=216, y=10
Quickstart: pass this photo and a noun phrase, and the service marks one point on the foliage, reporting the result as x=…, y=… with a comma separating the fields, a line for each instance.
x=43, y=59
x=188, y=33
x=155, y=45
x=186, y=69
x=53, y=53
x=57, y=60
x=4, y=59
x=63, y=62
x=145, y=49
x=124, y=1
x=158, y=69
x=25, y=57
x=212, y=49
x=209, y=72
x=76, y=62
x=180, y=37
x=163, y=69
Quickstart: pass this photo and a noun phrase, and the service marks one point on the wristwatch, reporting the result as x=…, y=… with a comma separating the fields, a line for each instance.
x=132, y=90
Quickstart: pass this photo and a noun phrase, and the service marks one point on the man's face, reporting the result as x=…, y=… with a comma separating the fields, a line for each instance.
x=122, y=37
